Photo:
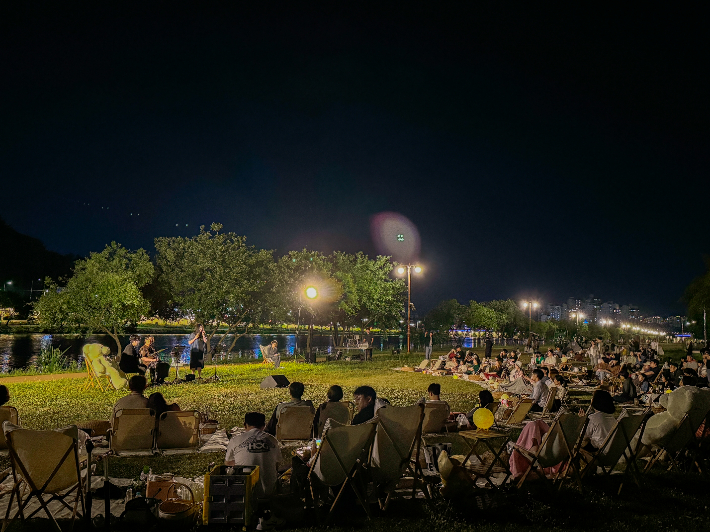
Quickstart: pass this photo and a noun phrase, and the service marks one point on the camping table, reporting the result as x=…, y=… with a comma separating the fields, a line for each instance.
x=470, y=441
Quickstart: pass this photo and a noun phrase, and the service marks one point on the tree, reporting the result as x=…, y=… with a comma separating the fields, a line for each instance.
x=352, y=289
x=480, y=316
x=445, y=316
x=103, y=294
x=697, y=299
x=216, y=279
x=510, y=317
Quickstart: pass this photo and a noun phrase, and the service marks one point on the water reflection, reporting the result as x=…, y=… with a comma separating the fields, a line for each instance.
x=21, y=350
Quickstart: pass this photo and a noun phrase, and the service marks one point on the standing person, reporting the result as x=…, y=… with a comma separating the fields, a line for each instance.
x=489, y=347
x=428, y=344
x=198, y=344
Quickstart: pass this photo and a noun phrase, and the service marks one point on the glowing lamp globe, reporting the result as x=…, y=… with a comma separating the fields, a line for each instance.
x=311, y=292
x=400, y=270
x=418, y=269
x=483, y=418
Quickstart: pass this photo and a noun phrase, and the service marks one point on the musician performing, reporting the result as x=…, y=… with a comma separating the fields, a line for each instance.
x=159, y=370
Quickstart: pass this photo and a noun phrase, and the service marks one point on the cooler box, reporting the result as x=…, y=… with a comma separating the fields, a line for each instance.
x=229, y=499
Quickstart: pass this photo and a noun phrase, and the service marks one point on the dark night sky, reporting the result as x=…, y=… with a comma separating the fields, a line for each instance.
x=545, y=154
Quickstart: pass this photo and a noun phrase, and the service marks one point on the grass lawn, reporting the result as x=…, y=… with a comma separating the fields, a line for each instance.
x=664, y=502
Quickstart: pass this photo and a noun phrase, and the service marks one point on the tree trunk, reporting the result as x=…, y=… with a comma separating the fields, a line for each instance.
x=335, y=334
x=114, y=336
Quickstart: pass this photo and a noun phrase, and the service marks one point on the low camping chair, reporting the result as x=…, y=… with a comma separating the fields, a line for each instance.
x=133, y=431
x=559, y=445
x=436, y=414
x=516, y=417
x=342, y=450
x=547, y=409
x=336, y=410
x=673, y=448
x=94, y=380
x=395, y=451
x=45, y=462
x=295, y=423
x=7, y=413
x=264, y=359
x=618, y=444
x=424, y=364
x=178, y=430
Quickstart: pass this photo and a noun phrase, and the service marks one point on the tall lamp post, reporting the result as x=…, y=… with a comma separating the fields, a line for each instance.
x=400, y=270
x=577, y=315
x=4, y=288
x=530, y=304
x=311, y=293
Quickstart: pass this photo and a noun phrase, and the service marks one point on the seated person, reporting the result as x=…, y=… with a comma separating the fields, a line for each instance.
x=158, y=404
x=130, y=358
x=135, y=399
x=530, y=439
x=546, y=375
x=484, y=399
x=550, y=360
x=628, y=390
x=600, y=422
x=4, y=394
x=255, y=447
x=451, y=355
x=642, y=383
x=460, y=355
x=516, y=372
x=334, y=395
x=364, y=398
x=559, y=388
x=433, y=394
x=495, y=371
x=675, y=373
x=295, y=389
x=690, y=363
x=540, y=391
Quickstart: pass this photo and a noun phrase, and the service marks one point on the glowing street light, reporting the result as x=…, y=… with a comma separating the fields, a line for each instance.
x=530, y=304
x=311, y=292
x=4, y=288
x=400, y=270
x=577, y=315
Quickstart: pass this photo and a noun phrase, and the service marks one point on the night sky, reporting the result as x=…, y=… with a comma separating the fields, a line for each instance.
x=539, y=153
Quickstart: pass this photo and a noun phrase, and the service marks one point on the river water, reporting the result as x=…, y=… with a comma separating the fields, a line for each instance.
x=21, y=350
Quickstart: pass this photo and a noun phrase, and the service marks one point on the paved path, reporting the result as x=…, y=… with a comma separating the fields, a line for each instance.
x=36, y=378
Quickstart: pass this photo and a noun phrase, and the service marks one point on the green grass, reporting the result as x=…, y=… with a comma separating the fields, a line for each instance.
x=665, y=502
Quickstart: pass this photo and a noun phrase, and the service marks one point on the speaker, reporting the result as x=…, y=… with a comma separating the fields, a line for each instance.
x=275, y=381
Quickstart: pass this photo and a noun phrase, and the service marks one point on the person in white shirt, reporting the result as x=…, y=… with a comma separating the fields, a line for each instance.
x=540, y=391
x=600, y=422
x=135, y=399
x=550, y=360
x=254, y=447
x=295, y=389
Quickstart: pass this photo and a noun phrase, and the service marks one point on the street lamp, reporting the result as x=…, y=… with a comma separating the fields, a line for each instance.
x=4, y=288
x=311, y=293
x=529, y=304
x=577, y=315
x=400, y=270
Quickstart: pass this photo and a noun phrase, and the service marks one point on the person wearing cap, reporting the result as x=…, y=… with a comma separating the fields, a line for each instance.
x=600, y=422
x=130, y=361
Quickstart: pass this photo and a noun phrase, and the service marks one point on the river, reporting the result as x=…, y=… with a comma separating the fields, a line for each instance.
x=20, y=350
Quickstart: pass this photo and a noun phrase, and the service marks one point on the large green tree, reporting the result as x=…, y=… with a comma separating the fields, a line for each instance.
x=103, y=294
x=445, y=316
x=697, y=299
x=480, y=316
x=216, y=279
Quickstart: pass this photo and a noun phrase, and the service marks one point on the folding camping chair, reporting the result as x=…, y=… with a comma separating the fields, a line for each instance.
x=516, y=417
x=546, y=410
x=7, y=413
x=397, y=439
x=47, y=463
x=133, y=431
x=178, y=430
x=295, y=423
x=436, y=414
x=337, y=411
x=342, y=451
x=94, y=380
x=618, y=444
x=679, y=440
x=560, y=444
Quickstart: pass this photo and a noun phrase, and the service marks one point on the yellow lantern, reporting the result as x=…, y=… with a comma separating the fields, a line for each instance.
x=505, y=396
x=483, y=418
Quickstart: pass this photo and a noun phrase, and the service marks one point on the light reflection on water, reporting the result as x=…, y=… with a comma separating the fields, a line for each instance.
x=21, y=350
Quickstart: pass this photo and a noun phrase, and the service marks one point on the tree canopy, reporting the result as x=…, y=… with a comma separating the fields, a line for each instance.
x=103, y=294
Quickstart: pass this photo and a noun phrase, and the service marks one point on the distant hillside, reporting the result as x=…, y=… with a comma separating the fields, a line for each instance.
x=24, y=258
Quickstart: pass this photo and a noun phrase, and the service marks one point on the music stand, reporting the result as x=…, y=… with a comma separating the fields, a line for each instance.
x=176, y=355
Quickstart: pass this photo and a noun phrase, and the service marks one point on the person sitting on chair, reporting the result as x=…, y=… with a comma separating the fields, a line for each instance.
x=334, y=395
x=296, y=390
x=158, y=404
x=272, y=353
x=628, y=390
x=600, y=422
x=135, y=399
x=130, y=358
x=540, y=391
x=364, y=398
x=256, y=447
